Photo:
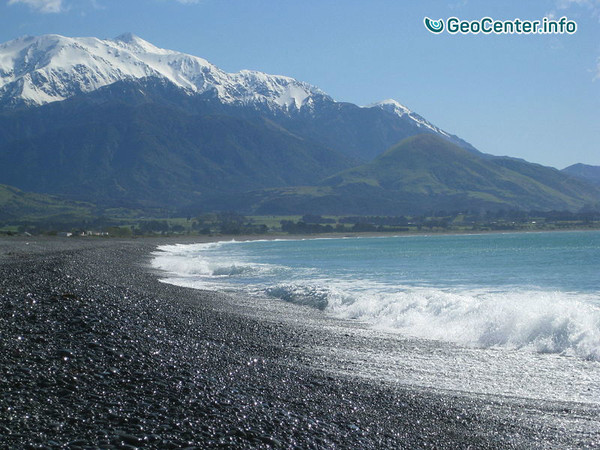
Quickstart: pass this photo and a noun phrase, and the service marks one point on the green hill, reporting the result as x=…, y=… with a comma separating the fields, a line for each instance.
x=586, y=172
x=427, y=173
x=22, y=206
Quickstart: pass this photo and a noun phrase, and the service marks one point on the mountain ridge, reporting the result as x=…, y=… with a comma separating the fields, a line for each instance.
x=124, y=123
x=48, y=68
x=119, y=144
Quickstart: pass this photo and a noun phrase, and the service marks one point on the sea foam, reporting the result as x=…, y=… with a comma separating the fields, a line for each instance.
x=530, y=319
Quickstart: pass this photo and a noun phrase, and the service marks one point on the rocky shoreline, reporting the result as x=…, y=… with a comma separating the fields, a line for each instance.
x=95, y=352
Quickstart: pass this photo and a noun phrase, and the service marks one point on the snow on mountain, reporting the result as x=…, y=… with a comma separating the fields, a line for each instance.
x=49, y=68
x=400, y=110
x=392, y=106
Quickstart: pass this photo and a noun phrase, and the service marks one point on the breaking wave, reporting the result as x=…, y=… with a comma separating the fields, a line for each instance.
x=533, y=319
x=545, y=322
x=191, y=261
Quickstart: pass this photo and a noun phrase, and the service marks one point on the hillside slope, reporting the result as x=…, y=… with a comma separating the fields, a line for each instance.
x=426, y=173
x=584, y=172
x=120, y=146
x=18, y=205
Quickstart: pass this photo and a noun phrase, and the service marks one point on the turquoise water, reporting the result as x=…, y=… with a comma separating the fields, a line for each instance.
x=536, y=292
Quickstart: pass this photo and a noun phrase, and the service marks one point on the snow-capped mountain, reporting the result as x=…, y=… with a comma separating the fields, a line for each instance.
x=122, y=123
x=39, y=70
x=400, y=110
x=49, y=68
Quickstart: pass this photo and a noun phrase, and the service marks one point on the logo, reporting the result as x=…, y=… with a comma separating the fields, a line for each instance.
x=487, y=25
x=435, y=26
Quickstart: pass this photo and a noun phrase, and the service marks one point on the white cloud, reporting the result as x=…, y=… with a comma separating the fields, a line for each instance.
x=57, y=6
x=593, y=6
x=43, y=6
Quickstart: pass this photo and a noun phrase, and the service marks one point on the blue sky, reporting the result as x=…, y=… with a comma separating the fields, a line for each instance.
x=535, y=97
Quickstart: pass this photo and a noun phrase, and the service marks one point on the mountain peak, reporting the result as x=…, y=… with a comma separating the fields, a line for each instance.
x=45, y=69
x=585, y=172
x=128, y=37
x=395, y=107
x=134, y=41
x=392, y=106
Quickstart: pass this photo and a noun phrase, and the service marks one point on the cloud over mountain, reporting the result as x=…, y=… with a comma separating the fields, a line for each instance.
x=42, y=6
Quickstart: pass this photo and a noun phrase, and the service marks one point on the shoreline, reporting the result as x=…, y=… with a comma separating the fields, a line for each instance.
x=204, y=239
x=275, y=236
x=352, y=235
x=97, y=352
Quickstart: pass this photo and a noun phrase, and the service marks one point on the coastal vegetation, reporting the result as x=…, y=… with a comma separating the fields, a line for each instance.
x=233, y=224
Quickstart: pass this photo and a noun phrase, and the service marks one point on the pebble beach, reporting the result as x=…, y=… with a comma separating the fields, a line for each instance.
x=96, y=352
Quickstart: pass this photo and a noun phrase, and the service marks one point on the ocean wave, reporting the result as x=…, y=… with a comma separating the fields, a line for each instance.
x=536, y=320
x=521, y=318
x=200, y=260
x=307, y=295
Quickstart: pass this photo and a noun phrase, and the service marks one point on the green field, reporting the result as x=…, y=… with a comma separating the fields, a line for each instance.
x=132, y=223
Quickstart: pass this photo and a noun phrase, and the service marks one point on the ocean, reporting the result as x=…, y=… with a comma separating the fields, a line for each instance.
x=514, y=314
